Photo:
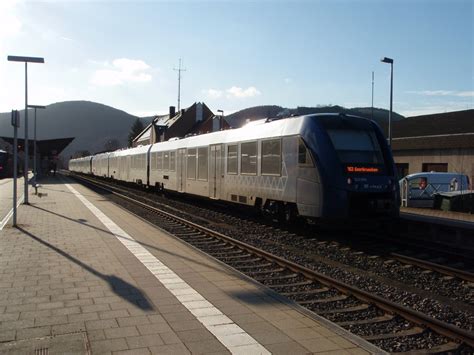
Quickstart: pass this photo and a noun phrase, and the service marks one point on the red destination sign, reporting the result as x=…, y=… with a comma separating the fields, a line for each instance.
x=362, y=169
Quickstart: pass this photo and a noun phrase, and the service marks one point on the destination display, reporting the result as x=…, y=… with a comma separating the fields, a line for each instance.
x=363, y=169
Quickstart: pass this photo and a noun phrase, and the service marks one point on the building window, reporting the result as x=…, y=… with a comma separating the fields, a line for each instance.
x=172, y=161
x=202, y=163
x=402, y=170
x=437, y=167
x=248, y=158
x=159, y=161
x=166, y=160
x=232, y=159
x=271, y=157
x=191, y=164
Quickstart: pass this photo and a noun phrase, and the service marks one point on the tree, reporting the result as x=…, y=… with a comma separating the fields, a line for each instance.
x=135, y=131
x=81, y=153
x=111, y=145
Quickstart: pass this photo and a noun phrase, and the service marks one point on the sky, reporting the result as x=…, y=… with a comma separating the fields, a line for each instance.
x=239, y=54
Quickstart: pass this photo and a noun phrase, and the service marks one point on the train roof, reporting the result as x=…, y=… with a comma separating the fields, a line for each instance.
x=131, y=151
x=258, y=129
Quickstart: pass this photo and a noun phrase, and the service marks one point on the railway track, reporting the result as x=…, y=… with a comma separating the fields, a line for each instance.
x=372, y=317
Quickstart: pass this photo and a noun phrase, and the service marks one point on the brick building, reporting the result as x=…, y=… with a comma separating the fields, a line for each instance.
x=196, y=119
x=441, y=142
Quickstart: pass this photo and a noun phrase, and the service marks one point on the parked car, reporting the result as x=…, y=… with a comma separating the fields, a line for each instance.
x=417, y=190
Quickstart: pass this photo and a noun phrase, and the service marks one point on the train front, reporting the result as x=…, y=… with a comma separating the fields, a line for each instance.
x=356, y=168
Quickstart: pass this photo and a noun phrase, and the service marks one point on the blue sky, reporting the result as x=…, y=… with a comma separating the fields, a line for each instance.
x=240, y=53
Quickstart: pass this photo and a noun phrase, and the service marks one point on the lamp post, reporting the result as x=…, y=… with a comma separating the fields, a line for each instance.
x=35, y=171
x=390, y=61
x=26, y=60
x=221, y=121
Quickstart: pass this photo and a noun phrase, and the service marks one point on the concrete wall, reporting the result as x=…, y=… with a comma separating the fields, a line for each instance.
x=458, y=160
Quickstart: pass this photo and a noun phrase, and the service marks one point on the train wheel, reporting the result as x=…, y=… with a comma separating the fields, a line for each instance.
x=287, y=213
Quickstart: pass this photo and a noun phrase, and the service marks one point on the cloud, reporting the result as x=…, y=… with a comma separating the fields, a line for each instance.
x=238, y=92
x=287, y=80
x=213, y=93
x=443, y=93
x=122, y=71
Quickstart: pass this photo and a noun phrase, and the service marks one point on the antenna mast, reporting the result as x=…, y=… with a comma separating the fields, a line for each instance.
x=179, y=70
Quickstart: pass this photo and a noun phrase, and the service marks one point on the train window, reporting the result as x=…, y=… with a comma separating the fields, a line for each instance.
x=248, y=158
x=202, y=163
x=271, y=157
x=304, y=157
x=232, y=159
x=159, y=161
x=356, y=146
x=191, y=164
x=172, y=161
x=166, y=160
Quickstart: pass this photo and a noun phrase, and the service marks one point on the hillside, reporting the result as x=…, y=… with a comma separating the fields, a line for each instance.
x=238, y=118
x=92, y=124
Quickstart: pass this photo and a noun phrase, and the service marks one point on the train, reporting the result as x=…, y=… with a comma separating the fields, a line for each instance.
x=322, y=167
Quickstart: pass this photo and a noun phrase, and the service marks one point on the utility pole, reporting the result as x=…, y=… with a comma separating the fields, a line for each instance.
x=372, y=95
x=179, y=70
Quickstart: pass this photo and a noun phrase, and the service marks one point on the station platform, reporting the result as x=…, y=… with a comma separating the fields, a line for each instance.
x=81, y=275
x=6, y=197
x=446, y=218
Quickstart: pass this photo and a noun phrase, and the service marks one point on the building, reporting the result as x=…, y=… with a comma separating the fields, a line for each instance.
x=441, y=142
x=47, y=150
x=196, y=119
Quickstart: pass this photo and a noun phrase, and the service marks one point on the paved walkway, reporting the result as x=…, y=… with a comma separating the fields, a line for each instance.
x=82, y=275
x=6, y=197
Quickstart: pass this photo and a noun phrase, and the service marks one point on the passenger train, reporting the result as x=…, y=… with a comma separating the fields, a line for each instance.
x=321, y=166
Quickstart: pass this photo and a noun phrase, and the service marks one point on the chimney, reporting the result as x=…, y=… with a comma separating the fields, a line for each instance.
x=199, y=112
x=172, y=111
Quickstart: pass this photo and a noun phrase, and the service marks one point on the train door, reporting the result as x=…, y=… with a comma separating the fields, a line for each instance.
x=181, y=170
x=215, y=171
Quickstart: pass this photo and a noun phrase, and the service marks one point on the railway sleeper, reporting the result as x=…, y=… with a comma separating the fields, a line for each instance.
x=296, y=284
x=242, y=261
x=384, y=318
x=403, y=333
x=449, y=347
x=279, y=277
x=210, y=241
x=261, y=266
x=236, y=257
x=324, y=300
x=361, y=307
x=316, y=291
x=192, y=234
x=263, y=272
x=226, y=251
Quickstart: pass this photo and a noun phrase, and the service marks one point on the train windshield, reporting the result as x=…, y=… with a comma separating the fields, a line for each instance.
x=356, y=146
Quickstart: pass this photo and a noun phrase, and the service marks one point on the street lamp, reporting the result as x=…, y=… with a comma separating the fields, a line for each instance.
x=390, y=61
x=221, y=121
x=26, y=60
x=35, y=171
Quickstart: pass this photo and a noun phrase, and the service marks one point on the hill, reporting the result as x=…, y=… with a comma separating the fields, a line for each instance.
x=237, y=119
x=94, y=126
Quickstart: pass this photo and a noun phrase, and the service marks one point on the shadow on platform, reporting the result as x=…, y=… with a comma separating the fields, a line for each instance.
x=120, y=287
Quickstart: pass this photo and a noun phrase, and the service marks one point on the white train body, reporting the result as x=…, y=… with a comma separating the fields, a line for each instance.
x=265, y=163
